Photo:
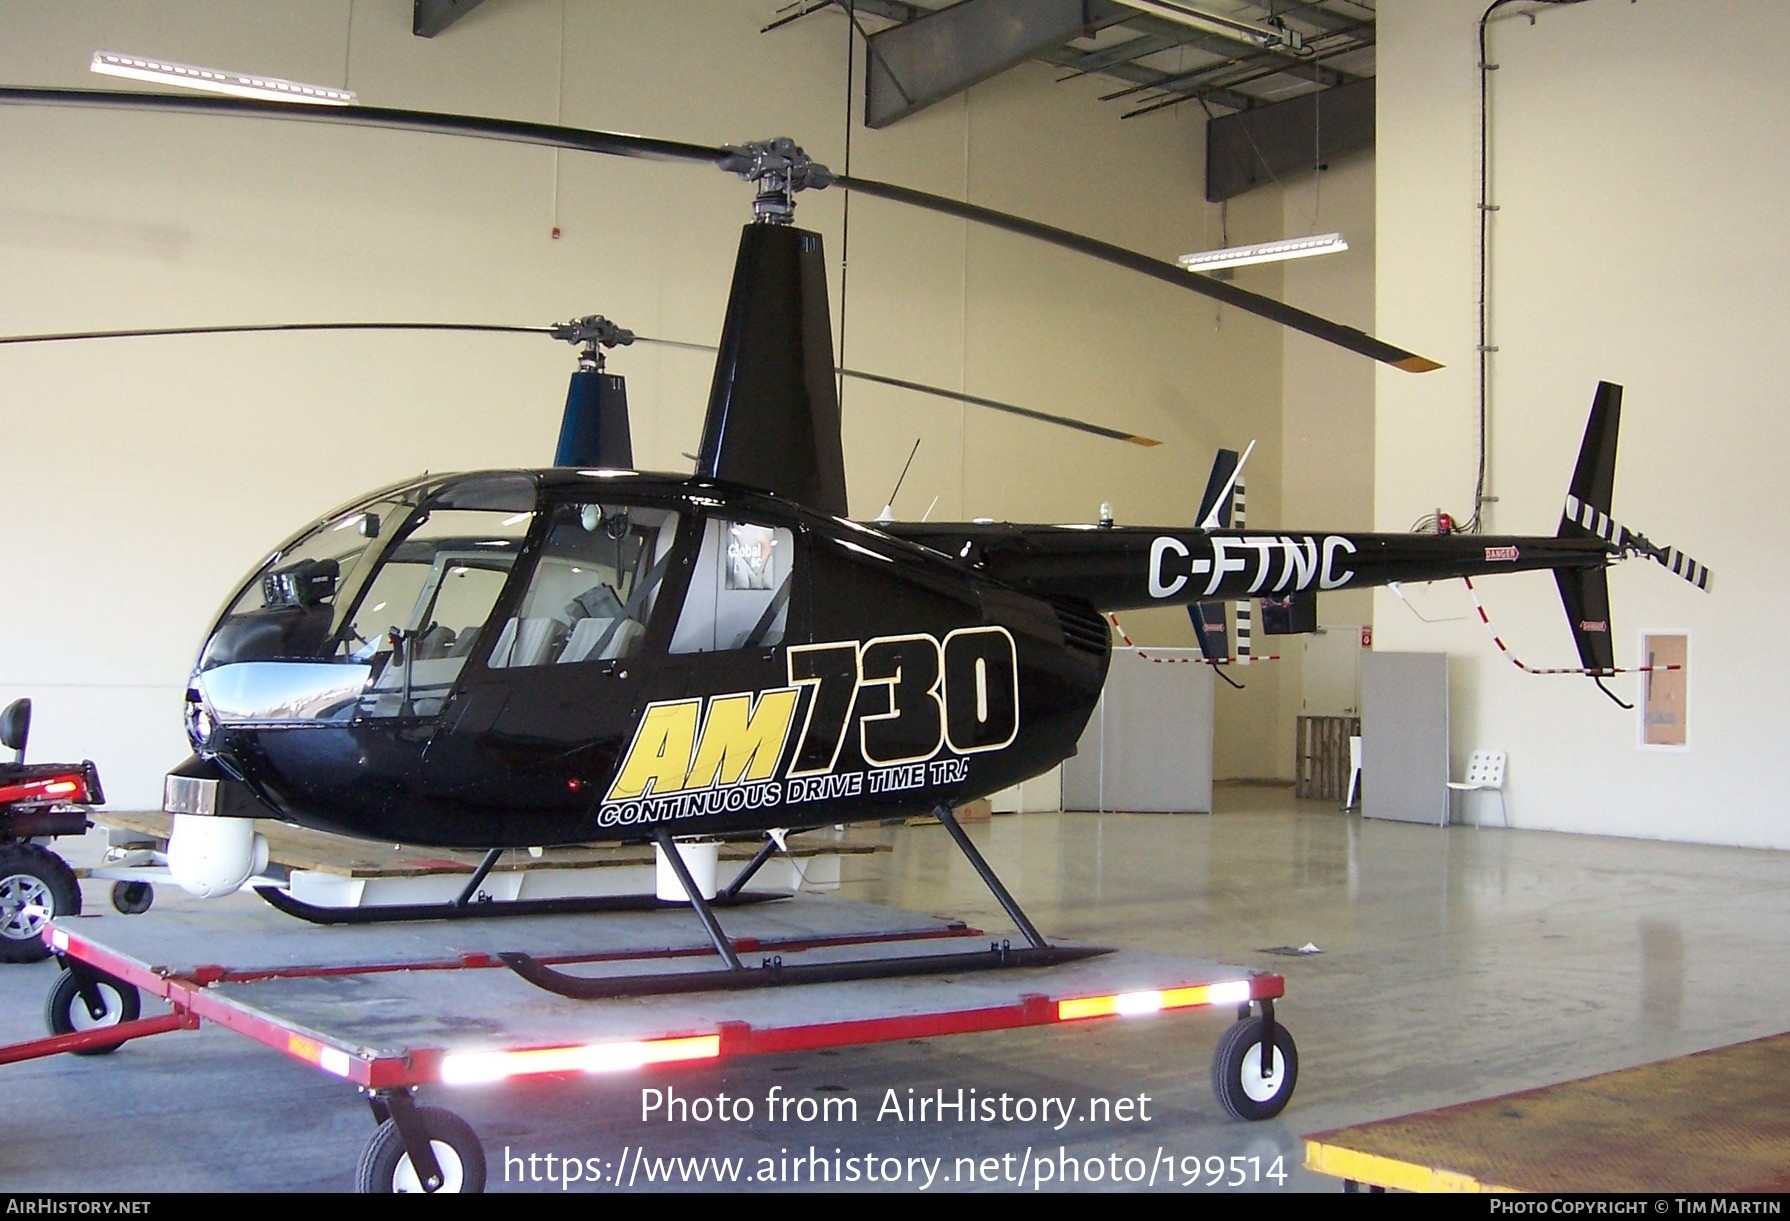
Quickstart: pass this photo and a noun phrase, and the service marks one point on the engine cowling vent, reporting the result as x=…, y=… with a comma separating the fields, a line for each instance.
x=1084, y=628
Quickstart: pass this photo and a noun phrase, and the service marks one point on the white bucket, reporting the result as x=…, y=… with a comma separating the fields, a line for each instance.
x=701, y=857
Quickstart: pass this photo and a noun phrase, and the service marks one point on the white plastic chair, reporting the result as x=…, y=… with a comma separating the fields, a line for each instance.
x=1485, y=774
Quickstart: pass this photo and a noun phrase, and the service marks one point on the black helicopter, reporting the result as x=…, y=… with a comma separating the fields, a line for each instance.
x=522, y=658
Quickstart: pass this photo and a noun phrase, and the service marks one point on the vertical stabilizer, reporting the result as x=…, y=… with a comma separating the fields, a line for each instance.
x=1212, y=620
x=1585, y=592
x=1594, y=478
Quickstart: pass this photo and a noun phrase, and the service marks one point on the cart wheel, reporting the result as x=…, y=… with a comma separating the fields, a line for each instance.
x=66, y=1013
x=1243, y=1089
x=132, y=898
x=36, y=886
x=385, y=1166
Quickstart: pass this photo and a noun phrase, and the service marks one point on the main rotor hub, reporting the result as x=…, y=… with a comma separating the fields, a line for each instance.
x=595, y=333
x=780, y=168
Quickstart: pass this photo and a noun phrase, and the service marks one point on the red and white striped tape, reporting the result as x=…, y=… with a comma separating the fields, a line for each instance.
x=1505, y=649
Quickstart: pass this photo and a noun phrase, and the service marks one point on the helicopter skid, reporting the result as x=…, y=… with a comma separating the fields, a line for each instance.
x=775, y=972
x=387, y=913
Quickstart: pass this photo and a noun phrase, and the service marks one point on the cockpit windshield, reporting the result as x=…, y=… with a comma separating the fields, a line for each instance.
x=374, y=611
x=422, y=556
x=377, y=611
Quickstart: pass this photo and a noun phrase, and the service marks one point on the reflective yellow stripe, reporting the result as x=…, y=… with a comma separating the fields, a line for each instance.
x=1386, y=1172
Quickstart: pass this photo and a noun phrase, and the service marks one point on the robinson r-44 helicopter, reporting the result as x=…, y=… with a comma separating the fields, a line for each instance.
x=523, y=658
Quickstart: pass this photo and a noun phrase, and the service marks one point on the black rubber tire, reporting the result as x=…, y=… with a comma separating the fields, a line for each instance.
x=1237, y=1078
x=385, y=1167
x=31, y=875
x=66, y=1013
x=132, y=898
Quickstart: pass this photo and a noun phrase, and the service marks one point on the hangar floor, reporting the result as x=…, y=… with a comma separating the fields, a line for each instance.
x=1456, y=963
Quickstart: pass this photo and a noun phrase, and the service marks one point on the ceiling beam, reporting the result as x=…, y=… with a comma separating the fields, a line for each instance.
x=1086, y=62
x=430, y=17
x=1269, y=143
x=1255, y=66
x=1145, y=78
x=943, y=53
x=1312, y=13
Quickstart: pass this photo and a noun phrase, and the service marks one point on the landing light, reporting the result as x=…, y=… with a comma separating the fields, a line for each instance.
x=331, y=1060
x=1135, y=1004
x=461, y=1068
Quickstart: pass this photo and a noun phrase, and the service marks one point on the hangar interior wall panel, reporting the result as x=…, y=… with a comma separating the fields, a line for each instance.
x=1404, y=737
x=1148, y=746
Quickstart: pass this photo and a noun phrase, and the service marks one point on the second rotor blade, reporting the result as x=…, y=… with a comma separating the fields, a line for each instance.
x=898, y=383
x=625, y=145
x=492, y=328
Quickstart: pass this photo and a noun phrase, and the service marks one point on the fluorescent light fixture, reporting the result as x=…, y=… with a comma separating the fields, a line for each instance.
x=1189, y=15
x=1265, y=252
x=239, y=84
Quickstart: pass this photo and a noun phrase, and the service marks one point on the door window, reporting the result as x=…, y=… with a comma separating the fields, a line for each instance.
x=593, y=589
x=739, y=590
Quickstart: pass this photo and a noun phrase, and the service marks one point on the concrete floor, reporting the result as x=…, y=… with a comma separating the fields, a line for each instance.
x=1457, y=963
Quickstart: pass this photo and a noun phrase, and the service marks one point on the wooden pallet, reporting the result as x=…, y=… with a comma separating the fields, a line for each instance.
x=299, y=848
x=1321, y=767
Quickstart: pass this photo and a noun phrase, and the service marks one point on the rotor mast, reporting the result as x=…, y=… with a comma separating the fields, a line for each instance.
x=773, y=414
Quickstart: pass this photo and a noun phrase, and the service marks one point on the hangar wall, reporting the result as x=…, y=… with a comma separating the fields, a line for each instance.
x=144, y=478
x=1327, y=411
x=1639, y=171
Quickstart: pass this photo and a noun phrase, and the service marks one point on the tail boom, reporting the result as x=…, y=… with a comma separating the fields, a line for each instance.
x=1126, y=568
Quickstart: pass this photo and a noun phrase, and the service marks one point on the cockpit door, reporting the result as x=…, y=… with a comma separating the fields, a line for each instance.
x=426, y=607
x=573, y=652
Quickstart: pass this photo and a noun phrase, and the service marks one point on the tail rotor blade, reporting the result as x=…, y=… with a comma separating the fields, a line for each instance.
x=1595, y=521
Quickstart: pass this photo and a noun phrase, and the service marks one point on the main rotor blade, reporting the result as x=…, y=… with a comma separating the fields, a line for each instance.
x=513, y=131
x=1170, y=273
x=1046, y=417
x=622, y=145
x=485, y=328
x=996, y=405
x=157, y=332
